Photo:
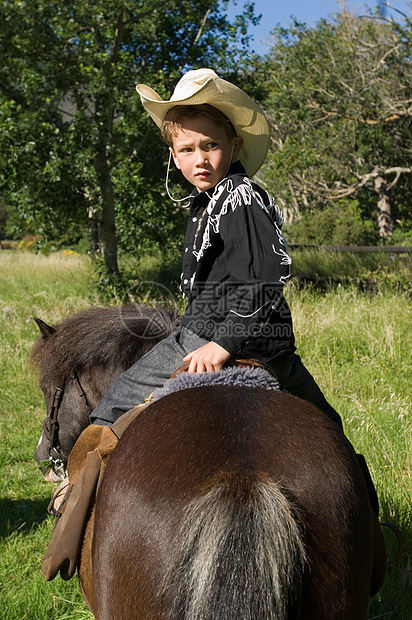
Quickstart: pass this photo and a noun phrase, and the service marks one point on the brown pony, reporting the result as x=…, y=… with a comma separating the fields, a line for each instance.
x=223, y=502
x=78, y=360
x=220, y=501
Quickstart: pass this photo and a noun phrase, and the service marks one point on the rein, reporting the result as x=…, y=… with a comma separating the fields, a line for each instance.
x=51, y=427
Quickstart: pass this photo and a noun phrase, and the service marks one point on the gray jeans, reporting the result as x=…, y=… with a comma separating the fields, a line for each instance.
x=150, y=372
x=155, y=368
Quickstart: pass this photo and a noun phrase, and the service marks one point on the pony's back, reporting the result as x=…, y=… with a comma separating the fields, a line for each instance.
x=231, y=502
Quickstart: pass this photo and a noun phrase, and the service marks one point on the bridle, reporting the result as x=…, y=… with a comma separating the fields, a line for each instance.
x=51, y=428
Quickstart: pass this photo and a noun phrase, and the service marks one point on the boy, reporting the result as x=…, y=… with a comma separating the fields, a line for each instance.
x=235, y=261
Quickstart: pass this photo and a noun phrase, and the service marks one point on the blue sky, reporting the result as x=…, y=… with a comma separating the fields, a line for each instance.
x=308, y=11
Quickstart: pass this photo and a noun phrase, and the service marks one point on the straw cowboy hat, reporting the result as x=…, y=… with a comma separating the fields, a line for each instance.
x=205, y=86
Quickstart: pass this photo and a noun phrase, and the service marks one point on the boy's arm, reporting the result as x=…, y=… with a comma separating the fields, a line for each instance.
x=244, y=290
x=257, y=266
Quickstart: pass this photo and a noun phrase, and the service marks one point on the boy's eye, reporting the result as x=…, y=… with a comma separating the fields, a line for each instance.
x=211, y=145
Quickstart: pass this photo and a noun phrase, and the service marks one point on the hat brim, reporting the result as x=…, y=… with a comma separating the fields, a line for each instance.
x=245, y=115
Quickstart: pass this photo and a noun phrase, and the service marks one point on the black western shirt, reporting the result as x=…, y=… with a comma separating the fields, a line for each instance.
x=235, y=265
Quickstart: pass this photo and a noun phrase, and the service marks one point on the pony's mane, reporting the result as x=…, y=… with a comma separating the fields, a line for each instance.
x=231, y=375
x=105, y=337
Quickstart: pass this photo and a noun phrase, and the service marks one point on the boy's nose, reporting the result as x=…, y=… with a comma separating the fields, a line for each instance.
x=201, y=157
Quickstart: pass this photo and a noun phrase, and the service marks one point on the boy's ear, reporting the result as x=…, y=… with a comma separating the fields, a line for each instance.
x=174, y=158
x=237, y=145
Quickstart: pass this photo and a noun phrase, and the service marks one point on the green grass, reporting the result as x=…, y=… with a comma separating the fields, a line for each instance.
x=357, y=345
x=50, y=288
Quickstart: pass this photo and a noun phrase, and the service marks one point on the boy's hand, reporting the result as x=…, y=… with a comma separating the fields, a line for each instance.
x=208, y=358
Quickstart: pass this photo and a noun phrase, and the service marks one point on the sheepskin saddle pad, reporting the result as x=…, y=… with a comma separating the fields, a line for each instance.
x=229, y=375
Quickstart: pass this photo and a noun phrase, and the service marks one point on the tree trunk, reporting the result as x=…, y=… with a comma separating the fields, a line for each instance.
x=108, y=210
x=385, y=221
x=93, y=231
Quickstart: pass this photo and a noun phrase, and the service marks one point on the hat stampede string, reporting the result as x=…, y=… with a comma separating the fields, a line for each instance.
x=167, y=184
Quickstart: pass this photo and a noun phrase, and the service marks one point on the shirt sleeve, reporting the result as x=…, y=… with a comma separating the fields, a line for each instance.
x=256, y=262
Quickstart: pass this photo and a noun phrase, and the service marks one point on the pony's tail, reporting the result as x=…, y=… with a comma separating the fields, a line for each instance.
x=239, y=554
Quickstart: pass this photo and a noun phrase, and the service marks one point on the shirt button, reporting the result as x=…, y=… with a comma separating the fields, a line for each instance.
x=194, y=219
x=185, y=281
x=186, y=249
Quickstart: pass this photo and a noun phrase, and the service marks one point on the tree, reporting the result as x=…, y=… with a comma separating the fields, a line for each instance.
x=74, y=135
x=340, y=107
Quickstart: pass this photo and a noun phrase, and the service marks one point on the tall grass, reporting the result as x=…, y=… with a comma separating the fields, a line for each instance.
x=357, y=345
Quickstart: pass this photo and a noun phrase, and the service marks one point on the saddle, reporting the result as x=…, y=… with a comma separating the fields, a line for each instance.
x=74, y=499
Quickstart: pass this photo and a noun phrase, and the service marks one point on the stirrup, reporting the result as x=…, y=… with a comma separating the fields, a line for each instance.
x=59, y=498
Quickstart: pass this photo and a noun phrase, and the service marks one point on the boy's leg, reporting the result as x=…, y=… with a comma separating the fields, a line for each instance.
x=137, y=383
x=294, y=377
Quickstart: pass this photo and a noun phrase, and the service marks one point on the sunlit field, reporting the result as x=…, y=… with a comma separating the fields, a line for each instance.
x=357, y=344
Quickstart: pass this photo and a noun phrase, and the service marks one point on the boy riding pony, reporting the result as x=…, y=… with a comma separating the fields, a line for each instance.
x=235, y=266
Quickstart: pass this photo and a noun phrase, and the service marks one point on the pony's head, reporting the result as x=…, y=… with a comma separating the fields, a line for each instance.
x=78, y=360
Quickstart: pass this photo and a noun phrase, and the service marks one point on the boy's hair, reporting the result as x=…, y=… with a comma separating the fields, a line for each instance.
x=174, y=117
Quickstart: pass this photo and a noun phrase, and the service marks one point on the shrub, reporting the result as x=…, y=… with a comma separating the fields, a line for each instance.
x=340, y=224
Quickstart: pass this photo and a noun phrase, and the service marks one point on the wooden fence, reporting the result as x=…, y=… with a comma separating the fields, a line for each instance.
x=360, y=249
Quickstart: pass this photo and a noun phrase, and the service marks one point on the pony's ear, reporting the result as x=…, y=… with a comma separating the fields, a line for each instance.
x=46, y=330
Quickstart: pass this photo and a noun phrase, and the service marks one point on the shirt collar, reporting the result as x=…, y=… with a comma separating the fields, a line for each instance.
x=234, y=168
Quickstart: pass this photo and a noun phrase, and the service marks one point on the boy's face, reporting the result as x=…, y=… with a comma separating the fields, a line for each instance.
x=203, y=151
